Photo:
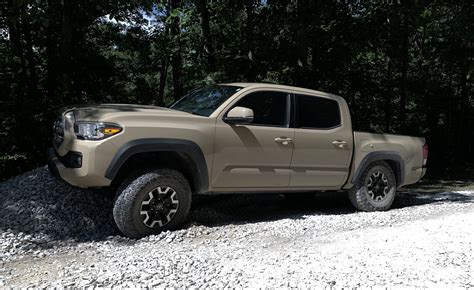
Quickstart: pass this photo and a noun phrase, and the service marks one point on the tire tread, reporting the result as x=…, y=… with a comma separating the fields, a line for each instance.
x=132, y=187
x=359, y=199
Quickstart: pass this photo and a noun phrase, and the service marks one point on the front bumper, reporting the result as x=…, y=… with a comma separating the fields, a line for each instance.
x=54, y=164
x=91, y=173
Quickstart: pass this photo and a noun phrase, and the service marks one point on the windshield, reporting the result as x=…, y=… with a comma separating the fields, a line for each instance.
x=206, y=100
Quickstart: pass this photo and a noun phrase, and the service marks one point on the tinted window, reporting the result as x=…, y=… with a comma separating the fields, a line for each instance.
x=206, y=100
x=269, y=108
x=319, y=113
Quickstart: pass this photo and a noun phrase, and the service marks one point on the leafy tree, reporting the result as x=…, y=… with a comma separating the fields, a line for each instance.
x=404, y=66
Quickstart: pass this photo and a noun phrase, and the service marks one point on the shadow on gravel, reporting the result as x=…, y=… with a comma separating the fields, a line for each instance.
x=237, y=209
x=36, y=204
x=427, y=192
x=250, y=208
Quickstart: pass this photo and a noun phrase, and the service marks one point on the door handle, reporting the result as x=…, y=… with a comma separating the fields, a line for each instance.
x=339, y=143
x=283, y=140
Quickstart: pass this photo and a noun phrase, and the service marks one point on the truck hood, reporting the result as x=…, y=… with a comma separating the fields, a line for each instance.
x=102, y=111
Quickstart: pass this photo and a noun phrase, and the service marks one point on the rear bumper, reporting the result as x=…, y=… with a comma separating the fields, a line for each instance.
x=423, y=172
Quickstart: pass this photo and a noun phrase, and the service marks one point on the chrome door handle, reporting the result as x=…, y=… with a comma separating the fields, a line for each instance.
x=283, y=140
x=339, y=143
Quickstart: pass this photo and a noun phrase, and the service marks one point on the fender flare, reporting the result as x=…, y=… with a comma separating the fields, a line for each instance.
x=382, y=155
x=187, y=147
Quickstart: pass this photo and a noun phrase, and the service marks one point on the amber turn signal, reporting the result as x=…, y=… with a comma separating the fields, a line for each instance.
x=111, y=130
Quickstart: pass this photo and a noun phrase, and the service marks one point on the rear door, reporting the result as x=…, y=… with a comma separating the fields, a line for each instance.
x=255, y=155
x=322, y=143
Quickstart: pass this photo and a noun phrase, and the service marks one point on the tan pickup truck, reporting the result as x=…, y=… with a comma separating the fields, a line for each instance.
x=237, y=137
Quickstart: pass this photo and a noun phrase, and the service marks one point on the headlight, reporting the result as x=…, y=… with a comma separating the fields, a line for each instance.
x=95, y=131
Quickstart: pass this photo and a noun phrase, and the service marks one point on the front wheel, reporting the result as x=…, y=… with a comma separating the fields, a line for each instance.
x=153, y=202
x=375, y=189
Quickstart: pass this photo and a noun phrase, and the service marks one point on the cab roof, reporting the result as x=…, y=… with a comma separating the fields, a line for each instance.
x=282, y=87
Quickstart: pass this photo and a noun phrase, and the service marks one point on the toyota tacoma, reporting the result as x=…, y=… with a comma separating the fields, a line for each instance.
x=228, y=138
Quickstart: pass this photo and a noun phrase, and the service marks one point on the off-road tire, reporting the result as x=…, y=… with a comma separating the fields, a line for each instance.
x=134, y=191
x=359, y=194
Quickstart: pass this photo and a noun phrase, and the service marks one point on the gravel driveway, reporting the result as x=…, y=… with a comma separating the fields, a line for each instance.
x=54, y=235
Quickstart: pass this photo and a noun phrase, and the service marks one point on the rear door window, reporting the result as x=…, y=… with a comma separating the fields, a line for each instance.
x=317, y=113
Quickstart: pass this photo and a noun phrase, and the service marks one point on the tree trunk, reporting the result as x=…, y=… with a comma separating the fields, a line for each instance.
x=163, y=76
x=20, y=91
x=206, y=34
x=388, y=97
x=463, y=126
x=176, y=58
x=403, y=81
x=66, y=50
x=313, y=15
x=249, y=9
x=52, y=52
x=29, y=56
x=306, y=12
x=15, y=33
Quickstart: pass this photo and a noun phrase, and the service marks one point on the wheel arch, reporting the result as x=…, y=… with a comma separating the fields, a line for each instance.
x=392, y=158
x=184, y=151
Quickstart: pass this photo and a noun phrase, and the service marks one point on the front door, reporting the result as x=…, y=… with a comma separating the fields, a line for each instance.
x=257, y=154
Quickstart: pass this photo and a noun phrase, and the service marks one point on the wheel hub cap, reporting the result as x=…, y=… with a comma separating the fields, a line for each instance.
x=159, y=206
x=377, y=186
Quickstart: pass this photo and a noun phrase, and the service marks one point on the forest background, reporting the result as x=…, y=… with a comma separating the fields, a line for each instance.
x=404, y=67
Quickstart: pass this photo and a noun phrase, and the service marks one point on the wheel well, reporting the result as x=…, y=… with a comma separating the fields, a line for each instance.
x=395, y=166
x=392, y=159
x=160, y=159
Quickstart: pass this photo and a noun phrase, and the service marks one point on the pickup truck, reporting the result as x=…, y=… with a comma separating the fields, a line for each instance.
x=228, y=138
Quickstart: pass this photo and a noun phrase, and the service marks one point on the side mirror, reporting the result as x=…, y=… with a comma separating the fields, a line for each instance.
x=239, y=115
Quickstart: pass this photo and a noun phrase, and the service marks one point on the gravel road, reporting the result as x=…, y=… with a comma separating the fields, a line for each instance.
x=55, y=235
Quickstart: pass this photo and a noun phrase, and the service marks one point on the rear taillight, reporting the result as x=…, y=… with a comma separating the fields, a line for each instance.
x=425, y=154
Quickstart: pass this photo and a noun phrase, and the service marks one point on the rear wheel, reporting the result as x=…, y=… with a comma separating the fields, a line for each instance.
x=152, y=202
x=375, y=189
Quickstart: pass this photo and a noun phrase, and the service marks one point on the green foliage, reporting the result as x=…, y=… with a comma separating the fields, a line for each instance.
x=404, y=66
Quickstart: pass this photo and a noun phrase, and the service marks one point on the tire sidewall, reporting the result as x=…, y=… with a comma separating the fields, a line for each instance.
x=135, y=192
x=386, y=202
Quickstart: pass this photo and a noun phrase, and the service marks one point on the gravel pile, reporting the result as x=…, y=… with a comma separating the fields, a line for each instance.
x=55, y=235
x=37, y=211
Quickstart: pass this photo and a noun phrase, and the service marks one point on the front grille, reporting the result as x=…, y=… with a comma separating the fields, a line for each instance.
x=58, y=131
